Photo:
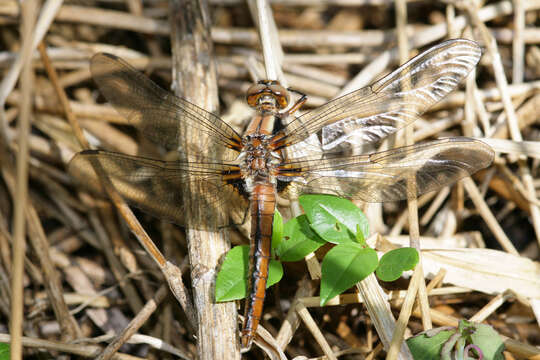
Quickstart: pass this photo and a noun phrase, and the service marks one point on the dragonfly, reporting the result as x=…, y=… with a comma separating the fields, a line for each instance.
x=281, y=154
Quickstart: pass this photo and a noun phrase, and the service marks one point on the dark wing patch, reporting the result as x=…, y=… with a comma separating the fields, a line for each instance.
x=167, y=189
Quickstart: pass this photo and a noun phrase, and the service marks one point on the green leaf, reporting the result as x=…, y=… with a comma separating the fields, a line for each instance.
x=343, y=266
x=277, y=229
x=360, y=236
x=299, y=240
x=450, y=343
x=231, y=282
x=483, y=336
x=5, y=353
x=394, y=262
x=428, y=347
x=336, y=220
x=275, y=272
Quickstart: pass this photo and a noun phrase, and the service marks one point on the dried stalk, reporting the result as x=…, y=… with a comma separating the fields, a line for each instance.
x=21, y=187
x=217, y=337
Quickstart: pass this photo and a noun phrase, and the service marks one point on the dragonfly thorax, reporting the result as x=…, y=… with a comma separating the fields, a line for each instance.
x=257, y=162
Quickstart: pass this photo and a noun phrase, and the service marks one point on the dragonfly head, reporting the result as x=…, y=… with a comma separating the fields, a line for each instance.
x=268, y=92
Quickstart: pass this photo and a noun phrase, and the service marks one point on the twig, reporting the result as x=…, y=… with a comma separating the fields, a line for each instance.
x=217, y=337
x=21, y=188
x=518, y=46
x=87, y=351
x=134, y=325
x=272, y=52
x=378, y=309
x=314, y=329
x=291, y=322
x=435, y=204
x=488, y=217
x=491, y=306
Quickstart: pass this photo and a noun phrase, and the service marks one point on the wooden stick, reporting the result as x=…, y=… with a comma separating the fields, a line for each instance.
x=134, y=325
x=518, y=44
x=315, y=331
x=491, y=306
x=87, y=351
x=488, y=217
x=196, y=82
x=292, y=321
x=20, y=191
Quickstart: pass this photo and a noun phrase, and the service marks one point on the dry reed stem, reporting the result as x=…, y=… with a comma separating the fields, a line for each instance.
x=355, y=298
x=315, y=331
x=134, y=325
x=196, y=82
x=435, y=205
x=20, y=190
x=87, y=351
x=292, y=321
x=491, y=306
x=292, y=38
x=518, y=45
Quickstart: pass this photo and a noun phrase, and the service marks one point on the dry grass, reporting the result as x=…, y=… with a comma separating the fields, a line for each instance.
x=84, y=287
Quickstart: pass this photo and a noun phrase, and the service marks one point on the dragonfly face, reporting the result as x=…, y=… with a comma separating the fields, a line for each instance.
x=268, y=92
x=238, y=174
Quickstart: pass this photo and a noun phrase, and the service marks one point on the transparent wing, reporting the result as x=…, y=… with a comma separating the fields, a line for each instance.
x=161, y=188
x=369, y=114
x=383, y=176
x=162, y=117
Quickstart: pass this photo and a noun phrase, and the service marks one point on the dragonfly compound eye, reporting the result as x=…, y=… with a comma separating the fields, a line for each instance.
x=254, y=93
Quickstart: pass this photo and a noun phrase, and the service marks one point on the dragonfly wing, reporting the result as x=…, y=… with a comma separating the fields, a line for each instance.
x=161, y=188
x=367, y=115
x=162, y=117
x=384, y=176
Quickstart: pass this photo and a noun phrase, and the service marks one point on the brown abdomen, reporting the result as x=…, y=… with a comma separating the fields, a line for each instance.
x=263, y=203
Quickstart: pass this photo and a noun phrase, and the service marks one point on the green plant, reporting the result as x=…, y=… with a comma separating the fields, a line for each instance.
x=327, y=219
x=4, y=351
x=466, y=342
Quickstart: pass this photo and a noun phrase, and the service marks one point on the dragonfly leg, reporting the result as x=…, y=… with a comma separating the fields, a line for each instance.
x=297, y=105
